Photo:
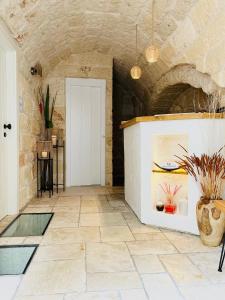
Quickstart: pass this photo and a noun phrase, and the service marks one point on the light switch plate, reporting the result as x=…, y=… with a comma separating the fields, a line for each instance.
x=21, y=104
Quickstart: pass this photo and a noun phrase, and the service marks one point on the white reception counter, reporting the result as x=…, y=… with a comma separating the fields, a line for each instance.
x=156, y=139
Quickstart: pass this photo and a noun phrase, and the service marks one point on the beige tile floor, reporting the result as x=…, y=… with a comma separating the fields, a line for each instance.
x=96, y=249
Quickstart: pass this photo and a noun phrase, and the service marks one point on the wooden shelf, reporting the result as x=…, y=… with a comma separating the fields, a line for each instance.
x=178, y=172
x=170, y=117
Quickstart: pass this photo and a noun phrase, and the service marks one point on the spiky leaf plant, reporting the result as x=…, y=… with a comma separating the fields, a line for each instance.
x=47, y=121
x=207, y=170
x=48, y=116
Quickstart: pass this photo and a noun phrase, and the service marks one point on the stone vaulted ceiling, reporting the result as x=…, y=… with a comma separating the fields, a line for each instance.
x=50, y=30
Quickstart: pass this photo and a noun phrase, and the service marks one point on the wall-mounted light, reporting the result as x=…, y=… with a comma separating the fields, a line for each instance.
x=85, y=70
x=36, y=70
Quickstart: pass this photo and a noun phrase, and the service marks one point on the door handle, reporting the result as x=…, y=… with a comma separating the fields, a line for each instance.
x=7, y=126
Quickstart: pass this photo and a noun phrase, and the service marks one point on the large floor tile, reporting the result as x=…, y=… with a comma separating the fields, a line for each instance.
x=7, y=220
x=117, y=203
x=130, y=216
x=149, y=236
x=95, y=206
x=64, y=219
x=208, y=264
x=160, y=287
x=116, y=196
x=57, y=252
x=121, y=209
x=84, y=191
x=113, y=281
x=108, y=257
x=8, y=286
x=133, y=295
x=187, y=243
x=68, y=201
x=45, y=297
x=41, y=202
x=66, y=209
x=33, y=240
x=101, y=219
x=137, y=227
x=207, y=292
x=11, y=240
x=2, y=228
x=93, y=197
x=38, y=210
x=150, y=247
x=116, y=233
x=182, y=270
x=52, y=277
x=94, y=296
x=71, y=235
x=148, y=264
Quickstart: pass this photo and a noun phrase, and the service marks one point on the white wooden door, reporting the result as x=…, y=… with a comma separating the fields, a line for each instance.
x=9, y=179
x=85, y=138
x=3, y=204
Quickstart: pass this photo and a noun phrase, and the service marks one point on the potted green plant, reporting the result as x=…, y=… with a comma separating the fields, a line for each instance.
x=47, y=114
x=209, y=173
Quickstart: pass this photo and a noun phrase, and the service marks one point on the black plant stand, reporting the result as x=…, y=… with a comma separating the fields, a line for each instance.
x=57, y=184
x=222, y=256
x=44, y=176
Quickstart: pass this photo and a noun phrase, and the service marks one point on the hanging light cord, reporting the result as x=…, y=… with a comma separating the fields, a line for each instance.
x=153, y=2
x=136, y=45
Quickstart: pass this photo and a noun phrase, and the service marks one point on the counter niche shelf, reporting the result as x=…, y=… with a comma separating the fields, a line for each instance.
x=165, y=148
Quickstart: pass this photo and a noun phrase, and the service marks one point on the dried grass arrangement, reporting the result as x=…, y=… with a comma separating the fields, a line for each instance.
x=208, y=171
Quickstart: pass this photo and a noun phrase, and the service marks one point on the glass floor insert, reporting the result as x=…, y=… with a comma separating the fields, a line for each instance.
x=30, y=224
x=14, y=260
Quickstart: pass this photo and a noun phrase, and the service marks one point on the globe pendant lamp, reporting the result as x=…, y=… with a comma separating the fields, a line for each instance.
x=152, y=53
x=135, y=71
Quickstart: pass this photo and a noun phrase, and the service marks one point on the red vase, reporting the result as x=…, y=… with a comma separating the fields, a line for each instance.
x=170, y=208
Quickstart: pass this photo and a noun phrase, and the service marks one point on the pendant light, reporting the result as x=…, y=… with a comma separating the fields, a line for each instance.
x=135, y=71
x=152, y=52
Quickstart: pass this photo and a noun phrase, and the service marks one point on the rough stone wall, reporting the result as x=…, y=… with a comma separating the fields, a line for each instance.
x=174, y=82
x=198, y=41
x=30, y=130
x=126, y=105
x=191, y=100
x=87, y=65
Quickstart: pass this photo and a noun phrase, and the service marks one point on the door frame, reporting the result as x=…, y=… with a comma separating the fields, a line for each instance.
x=11, y=179
x=84, y=82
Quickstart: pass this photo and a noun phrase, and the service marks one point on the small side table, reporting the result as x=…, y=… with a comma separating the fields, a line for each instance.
x=57, y=183
x=44, y=176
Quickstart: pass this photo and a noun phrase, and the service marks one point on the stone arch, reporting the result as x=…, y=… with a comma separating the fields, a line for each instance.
x=175, y=82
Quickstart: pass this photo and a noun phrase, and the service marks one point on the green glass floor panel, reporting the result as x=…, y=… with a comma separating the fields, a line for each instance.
x=14, y=260
x=33, y=224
